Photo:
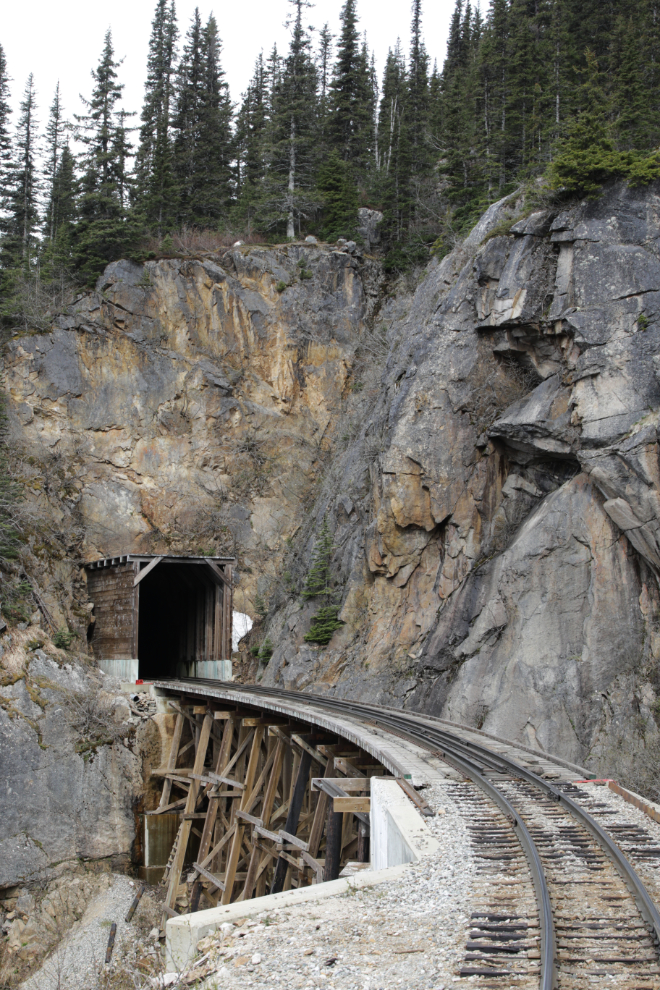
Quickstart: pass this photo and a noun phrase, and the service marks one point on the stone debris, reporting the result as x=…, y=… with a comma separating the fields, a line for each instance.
x=407, y=933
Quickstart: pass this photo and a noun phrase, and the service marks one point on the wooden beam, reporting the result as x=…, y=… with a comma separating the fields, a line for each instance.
x=345, y=766
x=177, y=864
x=346, y=783
x=172, y=757
x=209, y=876
x=316, y=830
x=293, y=840
x=141, y=575
x=314, y=753
x=316, y=864
x=232, y=860
x=352, y=805
x=293, y=816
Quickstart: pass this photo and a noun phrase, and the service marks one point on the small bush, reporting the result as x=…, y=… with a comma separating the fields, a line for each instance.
x=62, y=638
x=281, y=286
x=266, y=651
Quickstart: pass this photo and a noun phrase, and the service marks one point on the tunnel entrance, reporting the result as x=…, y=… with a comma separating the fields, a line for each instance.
x=162, y=616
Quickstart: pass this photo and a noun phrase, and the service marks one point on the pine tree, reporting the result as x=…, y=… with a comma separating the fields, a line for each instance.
x=319, y=585
x=156, y=185
x=105, y=228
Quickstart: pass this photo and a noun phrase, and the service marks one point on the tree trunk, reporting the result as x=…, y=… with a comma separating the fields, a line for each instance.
x=290, y=229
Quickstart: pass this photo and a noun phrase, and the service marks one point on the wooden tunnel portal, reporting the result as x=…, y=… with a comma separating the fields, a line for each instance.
x=161, y=616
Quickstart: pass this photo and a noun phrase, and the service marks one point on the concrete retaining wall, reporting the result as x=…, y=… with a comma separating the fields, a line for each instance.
x=123, y=669
x=399, y=833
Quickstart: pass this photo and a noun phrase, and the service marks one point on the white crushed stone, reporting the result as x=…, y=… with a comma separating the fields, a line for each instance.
x=362, y=940
x=75, y=963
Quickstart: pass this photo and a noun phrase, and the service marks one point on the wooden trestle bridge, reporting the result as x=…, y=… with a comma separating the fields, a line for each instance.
x=273, y=787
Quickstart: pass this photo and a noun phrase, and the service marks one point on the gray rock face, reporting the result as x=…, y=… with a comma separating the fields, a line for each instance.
x=486, y=453
x=60, y=800
x=500, y=563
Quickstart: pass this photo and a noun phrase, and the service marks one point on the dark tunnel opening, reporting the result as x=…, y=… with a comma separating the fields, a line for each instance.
x=177, y=619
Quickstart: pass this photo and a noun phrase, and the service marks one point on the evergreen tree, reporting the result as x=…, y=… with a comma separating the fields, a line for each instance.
x=417, y=104
x=203, y=146
x=589, y=155
x=156, y=185
x=19, y=246
x=5, y=131
x=62, y=212
x=249, y=142
x=324, y=76
x=318, y=585
x=55, y=130
x=105, y=229
x=292, y=137
x=351, y=95
x=340, y=197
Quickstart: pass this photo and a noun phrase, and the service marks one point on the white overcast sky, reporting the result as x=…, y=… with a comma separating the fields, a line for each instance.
x=63, y=40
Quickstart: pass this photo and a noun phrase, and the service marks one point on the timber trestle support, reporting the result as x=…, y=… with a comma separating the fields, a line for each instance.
x=266, y=804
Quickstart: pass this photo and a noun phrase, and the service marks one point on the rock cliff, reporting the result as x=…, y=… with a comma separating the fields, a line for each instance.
x=484, y=448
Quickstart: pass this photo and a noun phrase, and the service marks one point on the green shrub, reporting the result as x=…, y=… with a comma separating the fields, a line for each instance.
x=281, y=286
x=266, y=651
x=62, y=638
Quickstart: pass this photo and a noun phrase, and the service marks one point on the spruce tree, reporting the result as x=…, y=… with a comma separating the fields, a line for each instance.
x=19, y=246
x=351, y=96
x=292, y=136
x=215, y=150
x=249, y=143
x=324, y=75
x=5, y=130
x=203, y=145
x=340, y=197
x=318, y=585
x=105, y=228
x=62, y=214
x=155, y=181
x=55, y=131
x=417, y=104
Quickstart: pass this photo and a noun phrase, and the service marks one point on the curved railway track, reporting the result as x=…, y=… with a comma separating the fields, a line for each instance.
x=595, y=919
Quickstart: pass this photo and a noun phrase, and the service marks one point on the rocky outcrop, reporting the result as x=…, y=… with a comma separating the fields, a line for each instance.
x=500, y=562
x=485, y=450
x=185, y=405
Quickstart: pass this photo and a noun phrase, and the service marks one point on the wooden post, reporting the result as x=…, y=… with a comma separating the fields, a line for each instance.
x=212, y=813
x=232, y=861
x=171, y=761
x=184, y=834
x=363, y=843
x=333, y=832
x=320, y=814
x=227, y=614
x=292, y=817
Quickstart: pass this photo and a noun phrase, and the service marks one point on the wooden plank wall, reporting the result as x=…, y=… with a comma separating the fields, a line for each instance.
x=111, y=591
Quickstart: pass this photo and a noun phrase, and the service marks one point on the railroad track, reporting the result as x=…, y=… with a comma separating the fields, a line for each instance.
x=561, y=904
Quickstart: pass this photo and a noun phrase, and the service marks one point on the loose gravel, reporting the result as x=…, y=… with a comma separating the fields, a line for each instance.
x=76, y=962
x=409, y=932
